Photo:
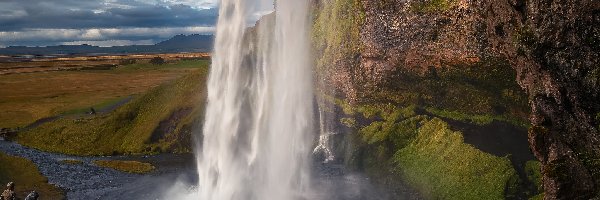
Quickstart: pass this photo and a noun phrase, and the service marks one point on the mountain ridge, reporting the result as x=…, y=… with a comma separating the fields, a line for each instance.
x=176, y=44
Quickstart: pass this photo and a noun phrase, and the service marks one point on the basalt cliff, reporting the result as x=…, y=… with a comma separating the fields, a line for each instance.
x=541, y=57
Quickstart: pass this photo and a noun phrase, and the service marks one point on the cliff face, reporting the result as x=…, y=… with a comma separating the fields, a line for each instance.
x=364, y=46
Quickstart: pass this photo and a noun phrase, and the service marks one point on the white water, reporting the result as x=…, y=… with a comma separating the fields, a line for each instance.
x=258, y=129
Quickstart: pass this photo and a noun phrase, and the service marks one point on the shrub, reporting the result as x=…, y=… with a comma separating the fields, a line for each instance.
x=127, y=62
x=157, y=61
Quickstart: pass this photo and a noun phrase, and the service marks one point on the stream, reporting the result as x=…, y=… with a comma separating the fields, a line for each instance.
x=174, y=174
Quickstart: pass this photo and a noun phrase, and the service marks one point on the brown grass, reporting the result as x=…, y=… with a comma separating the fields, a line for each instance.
x=27, y=97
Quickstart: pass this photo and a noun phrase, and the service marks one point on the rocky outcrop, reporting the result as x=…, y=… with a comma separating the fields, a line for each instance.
x=553, y=45
x=558, y=62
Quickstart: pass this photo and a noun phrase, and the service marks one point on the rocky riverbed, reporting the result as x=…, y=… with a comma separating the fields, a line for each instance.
x=175, y=174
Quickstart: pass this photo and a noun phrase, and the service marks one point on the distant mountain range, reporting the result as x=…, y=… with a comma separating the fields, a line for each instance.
x=177, y=44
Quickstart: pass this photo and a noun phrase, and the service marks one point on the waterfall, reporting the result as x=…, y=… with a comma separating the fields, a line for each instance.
x=259, y=116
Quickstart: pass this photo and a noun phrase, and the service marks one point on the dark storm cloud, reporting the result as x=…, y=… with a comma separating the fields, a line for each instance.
x=38, y=22
x=70, y=14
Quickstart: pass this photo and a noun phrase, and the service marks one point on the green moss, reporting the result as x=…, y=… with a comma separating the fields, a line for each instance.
x=441, y=165
x=533, y=169
x=397, y=127
x=537, y=197
x=348, y=122
x=128, y=129
x=370, y=111
x=26, y=177
x=475, y=119
x=512, y=187
x=336, y=33
x=346, y=107
x=126, y=166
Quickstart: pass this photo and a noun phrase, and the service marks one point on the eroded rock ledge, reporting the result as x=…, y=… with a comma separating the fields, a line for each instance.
x=553, y=45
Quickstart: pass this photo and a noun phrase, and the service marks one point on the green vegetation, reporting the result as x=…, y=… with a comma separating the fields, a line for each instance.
x=133, y=128
x=157, y=61
x=404, y=135
x=440, y=164
x=474, y=93
x=430, y=6
x=430, y=156
x=397, y=127
x=336, y=32
x=533, y=169
x=100, y=106
x=476, y=119
x=26, y=177
x=27, y=97
x=126, y=166
x=348, y=122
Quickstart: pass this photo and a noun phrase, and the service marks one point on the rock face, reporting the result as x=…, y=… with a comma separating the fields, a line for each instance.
x=553, y=45
x=558, y=65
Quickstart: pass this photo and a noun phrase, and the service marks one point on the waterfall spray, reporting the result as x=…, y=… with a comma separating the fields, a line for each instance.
x=258, y=124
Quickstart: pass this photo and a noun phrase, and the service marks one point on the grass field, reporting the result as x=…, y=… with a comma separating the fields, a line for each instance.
x=157, y=120
x=26, y=177
x=27, y=97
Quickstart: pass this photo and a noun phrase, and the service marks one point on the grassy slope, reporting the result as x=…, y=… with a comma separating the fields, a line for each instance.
x=27, y=97
x=26, y=177
x=430, y=156
x=128, y=129
x=440, y=164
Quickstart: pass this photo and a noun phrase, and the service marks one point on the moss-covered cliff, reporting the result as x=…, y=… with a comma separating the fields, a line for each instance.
x=474, y=62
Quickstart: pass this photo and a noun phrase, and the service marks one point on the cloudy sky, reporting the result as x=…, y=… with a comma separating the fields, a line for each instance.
x=102, y=22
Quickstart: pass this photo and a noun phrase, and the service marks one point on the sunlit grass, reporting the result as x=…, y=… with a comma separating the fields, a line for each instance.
x=442, y=166
x=28, y=97
x=126, y=166
x=128, y=129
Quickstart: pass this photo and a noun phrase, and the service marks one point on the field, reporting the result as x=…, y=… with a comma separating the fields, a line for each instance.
x=139, y=107
x=26, y=97
x=131, y=108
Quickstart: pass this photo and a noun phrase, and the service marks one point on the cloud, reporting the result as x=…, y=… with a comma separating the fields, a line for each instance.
x=140, y=35
x=111, y=43
x=107, y=14
x=42, y=23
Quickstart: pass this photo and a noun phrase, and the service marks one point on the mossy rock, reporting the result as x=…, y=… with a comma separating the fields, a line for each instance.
x=442, y=166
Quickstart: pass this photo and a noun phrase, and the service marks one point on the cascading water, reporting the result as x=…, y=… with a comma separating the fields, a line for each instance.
x=258, y=124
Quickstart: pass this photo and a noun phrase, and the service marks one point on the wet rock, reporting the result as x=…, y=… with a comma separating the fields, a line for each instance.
x=553, y=45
